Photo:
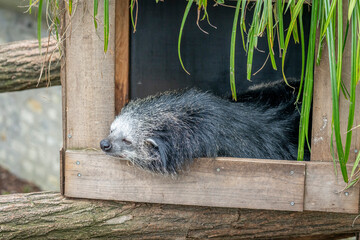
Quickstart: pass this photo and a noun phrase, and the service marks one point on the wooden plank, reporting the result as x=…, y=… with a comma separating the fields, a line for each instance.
x=122, y=43
x=89, y=77
x=224, y=182
x=323, y=190
x=322, y=106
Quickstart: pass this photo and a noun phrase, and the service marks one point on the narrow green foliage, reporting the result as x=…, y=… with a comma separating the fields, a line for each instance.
x=242, y=23
x=354, y=37
x=279, y=7
x=296, y=11
x=335, y=96
x=232, y=52
x=329, y=17
x=355, y=166
x=106, y=25
x=70, y=7
x=30, y=3
x=351, y=8
x=39, y=23
x=132, y=5
x=302, y=41
x=253, y=38
x=187, y=9
x=270, y=31
x=96, y=5
x=294, y=31
x=308, y=83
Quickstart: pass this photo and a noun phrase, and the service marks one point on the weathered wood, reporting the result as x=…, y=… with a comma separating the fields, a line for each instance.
x=89, y=77
x=122, y=43
x=224, y=182
x=323, y=190
x=51, y=216
x=322, y=106
x=21, y=64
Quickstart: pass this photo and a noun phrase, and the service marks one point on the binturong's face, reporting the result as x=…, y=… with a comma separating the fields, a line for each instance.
x=127, y=143
x=119, y=143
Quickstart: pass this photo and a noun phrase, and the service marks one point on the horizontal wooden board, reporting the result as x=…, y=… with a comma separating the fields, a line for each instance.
x=221, y=182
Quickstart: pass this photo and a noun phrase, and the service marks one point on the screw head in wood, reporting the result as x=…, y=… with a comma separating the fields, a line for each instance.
x=79, y=174
x=346, y=193
x=292, y=203
x=77, y=163
x=69, y=136
x=291, y=172
x=218, y=169
x=355, y=150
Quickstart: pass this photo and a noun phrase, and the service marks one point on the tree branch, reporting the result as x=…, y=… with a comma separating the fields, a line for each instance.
x=21, y=64
x=49, y=215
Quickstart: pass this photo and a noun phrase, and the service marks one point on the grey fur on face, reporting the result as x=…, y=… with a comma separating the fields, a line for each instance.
x=165, y=132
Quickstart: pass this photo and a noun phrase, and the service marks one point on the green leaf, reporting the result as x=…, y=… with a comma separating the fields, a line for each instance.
x=106, y=25
x=96, y=4
x=356, y=164
x=70, y=7
x=331, y=15
x=232, y=52
x=187, y=9
x=334, y=91
x=308, y=81
x=39, y=23
x=351, y=8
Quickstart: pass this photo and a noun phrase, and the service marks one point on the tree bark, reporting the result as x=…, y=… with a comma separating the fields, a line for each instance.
x=48, y=215
x=21, y=65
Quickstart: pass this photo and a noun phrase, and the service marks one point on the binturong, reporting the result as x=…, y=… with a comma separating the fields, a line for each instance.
x=165, y=132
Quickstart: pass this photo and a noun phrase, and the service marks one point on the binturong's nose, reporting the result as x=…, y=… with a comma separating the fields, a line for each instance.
x=105, y=145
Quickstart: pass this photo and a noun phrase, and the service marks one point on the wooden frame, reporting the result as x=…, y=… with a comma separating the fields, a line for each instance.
x=93, y=86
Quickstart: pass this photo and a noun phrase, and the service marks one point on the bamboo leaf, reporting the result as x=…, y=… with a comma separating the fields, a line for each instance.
x=356, y=164
x=294, y=16
x=329, y=17
x=106, y=25
x=281, y=23
x=187, y=9
x=39, y=23
x=302, y=41
x=96, y=4
x=352, y=4
x=335, y=97
x=252, y=38
x=70, y=7
x=232, y=52
x=270, y=33
x=308, y=81
x=352, y=85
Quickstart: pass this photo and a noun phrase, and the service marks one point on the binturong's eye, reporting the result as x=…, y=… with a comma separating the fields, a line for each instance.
x=127, y=142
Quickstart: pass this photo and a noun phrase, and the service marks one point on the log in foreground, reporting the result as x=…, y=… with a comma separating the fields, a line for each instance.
x=47, y=215
x=21, y=64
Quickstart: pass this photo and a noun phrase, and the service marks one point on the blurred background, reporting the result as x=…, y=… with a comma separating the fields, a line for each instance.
x=30, y=120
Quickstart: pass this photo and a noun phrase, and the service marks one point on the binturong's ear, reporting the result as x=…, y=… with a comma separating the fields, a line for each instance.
x=161, y=147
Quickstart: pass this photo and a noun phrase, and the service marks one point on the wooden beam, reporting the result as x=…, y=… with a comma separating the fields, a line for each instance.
x=322, y=105
x=122, y=51
x=89, y=77
x=49, y=215
x=224, y=182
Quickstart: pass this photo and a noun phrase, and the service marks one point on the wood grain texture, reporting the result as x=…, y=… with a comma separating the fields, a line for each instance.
x=49, y=215
x=224, y=182
x=122, y=43
x=322, y=106
x=21, y=64
x=323, y=190
x=89, y=77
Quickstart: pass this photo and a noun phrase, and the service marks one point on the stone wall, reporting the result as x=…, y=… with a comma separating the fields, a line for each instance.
x=30, y=121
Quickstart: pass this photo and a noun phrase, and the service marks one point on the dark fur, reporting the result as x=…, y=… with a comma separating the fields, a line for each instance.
x=191, y=124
